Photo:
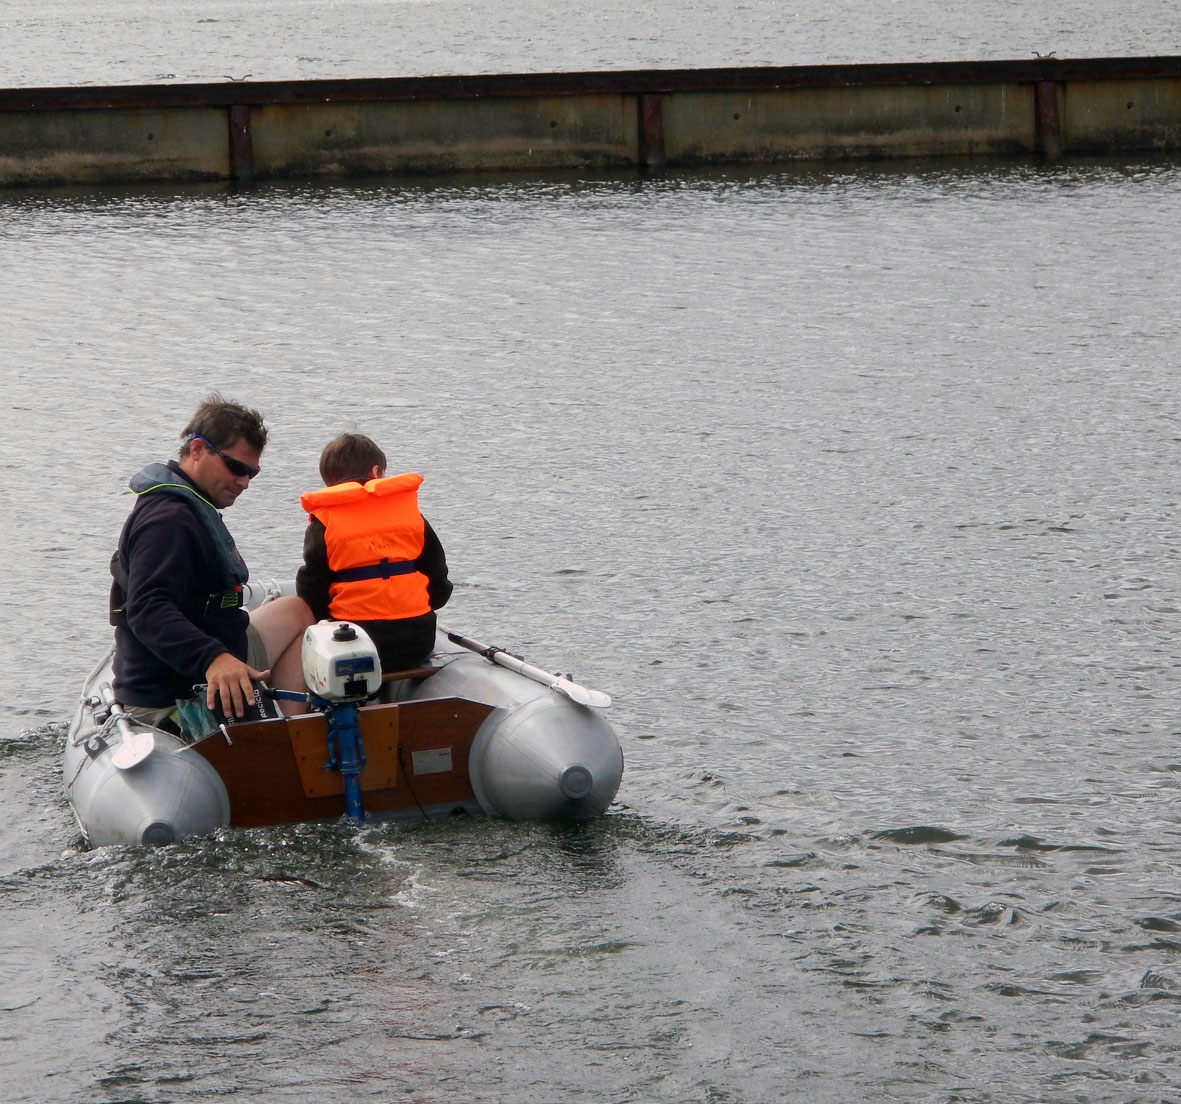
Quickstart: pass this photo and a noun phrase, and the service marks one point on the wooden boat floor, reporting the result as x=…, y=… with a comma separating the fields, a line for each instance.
x=416, y=757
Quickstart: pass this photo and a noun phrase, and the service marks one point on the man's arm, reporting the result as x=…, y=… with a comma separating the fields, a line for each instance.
x=164, y=587
x=166, y=593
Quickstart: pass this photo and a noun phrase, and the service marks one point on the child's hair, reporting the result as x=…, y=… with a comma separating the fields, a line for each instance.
x=350, y=458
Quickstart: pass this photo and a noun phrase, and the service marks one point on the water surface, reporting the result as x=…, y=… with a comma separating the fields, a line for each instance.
x=855, y=487
x=66, y=42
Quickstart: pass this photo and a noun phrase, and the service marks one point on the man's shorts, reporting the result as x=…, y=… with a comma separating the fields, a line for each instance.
x=256, y=650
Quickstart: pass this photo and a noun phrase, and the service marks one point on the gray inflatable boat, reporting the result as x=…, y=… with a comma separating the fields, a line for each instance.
x=474, y=730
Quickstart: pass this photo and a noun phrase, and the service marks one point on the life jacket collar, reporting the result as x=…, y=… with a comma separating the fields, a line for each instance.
x=341, y=494
x=157, y=478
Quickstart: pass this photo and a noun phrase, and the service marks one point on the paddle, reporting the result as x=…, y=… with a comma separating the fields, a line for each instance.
x=572, y=690
x=135, y=746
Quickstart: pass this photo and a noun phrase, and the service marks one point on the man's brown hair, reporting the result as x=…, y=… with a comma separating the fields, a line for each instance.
x=221, y=423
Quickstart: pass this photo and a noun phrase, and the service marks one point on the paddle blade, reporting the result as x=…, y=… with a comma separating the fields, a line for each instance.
x=133, y=749
x=583, y=695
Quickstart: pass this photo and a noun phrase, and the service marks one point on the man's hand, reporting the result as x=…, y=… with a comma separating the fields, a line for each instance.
x=230, y=679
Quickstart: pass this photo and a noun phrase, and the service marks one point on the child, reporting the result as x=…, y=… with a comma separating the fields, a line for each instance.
x=369, y=556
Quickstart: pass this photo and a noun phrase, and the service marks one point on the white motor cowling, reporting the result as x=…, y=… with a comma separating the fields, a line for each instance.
x=340, y=662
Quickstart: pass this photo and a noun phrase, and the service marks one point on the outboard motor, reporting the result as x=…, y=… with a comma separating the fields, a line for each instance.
x=341, y=667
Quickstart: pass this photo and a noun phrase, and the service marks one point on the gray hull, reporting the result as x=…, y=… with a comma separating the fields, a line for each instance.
x=537, y=755
x=171, y=794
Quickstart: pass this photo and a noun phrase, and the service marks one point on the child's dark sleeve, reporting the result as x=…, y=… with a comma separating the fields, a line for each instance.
x=432, y=562
x=311, y=581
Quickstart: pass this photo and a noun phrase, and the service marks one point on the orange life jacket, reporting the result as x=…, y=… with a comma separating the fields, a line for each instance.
x=373, y=534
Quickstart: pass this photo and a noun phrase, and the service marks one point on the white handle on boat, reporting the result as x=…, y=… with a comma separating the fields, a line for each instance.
x=134, y=747
x=572, y=690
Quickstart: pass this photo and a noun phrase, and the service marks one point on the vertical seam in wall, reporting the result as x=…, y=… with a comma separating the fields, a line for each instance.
x=241, y=144
x=650, y=118
x=1047, y=119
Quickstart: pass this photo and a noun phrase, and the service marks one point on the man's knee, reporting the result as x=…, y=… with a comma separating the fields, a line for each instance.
x=281, y=623
x=295, y=613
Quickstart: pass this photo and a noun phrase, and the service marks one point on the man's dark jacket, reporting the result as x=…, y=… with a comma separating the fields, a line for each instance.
x=170, y=621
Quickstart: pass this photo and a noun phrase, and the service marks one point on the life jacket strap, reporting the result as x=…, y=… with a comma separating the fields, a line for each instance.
x=386, y=569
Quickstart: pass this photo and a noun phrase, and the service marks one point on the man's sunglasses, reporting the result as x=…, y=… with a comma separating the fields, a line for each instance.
x=235, y=466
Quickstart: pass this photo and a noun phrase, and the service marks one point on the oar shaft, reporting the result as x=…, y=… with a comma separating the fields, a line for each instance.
x=499, y=656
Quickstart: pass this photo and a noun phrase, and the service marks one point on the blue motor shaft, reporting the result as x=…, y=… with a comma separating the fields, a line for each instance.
x=346, y=749
x=344, y=728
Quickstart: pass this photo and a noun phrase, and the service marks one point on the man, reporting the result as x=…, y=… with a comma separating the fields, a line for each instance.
x=176, y=599
x=369, y=556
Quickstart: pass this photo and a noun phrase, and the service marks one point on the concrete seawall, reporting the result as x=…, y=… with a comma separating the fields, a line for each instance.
x=607, y=120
